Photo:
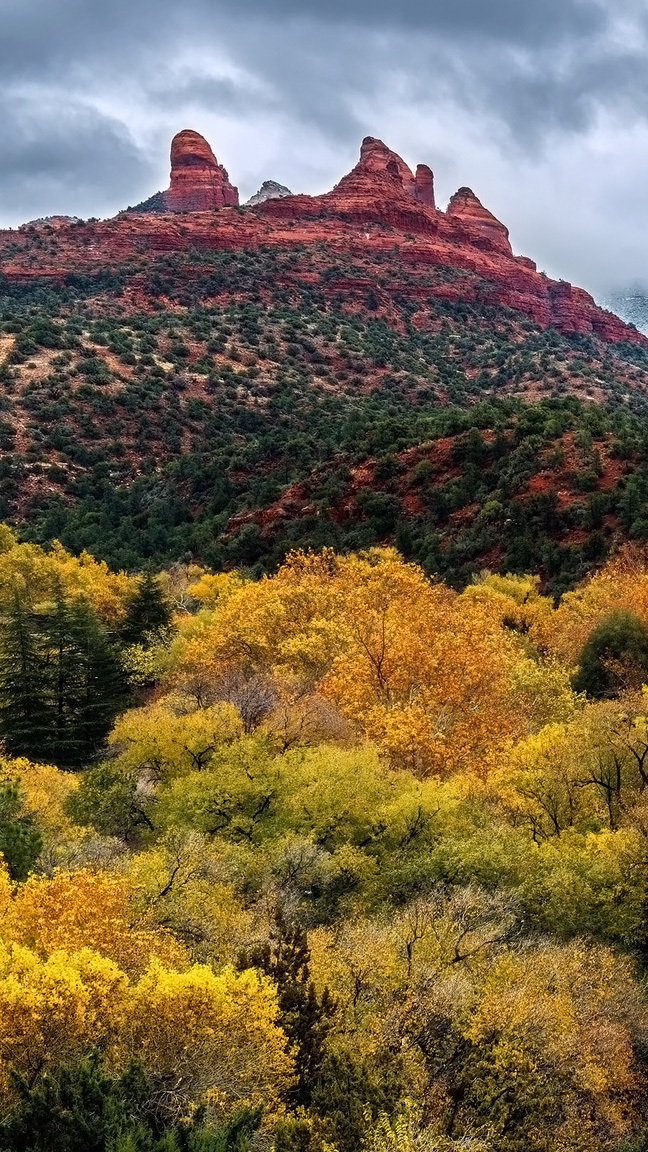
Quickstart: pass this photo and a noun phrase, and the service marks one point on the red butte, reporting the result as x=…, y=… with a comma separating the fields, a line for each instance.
x=198, y=181
x=380, y=211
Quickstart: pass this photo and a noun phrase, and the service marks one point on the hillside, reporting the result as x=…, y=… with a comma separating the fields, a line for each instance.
x=352, y=368
x=351, y=857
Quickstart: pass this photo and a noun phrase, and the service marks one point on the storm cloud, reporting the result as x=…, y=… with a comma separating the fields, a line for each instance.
x=541, y=107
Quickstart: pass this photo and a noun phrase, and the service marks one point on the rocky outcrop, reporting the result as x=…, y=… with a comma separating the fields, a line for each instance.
x=381, y=190
x=381, y=212
x=44, y=222
x=424, y=185
x=198, y=182
x=378, y=170
x=479, y=222
x=269, y=190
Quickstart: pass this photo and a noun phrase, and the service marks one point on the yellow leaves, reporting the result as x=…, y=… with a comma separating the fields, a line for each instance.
x=429, y=680
x=214, y=589
x=198, y=1033
x=574, y=1008
x=153, y=739
x=511, y=600
x=195, y=1032
x=79, y=970
x=542, y=692
x=84, y=909
x=180, y=883
x=586, y=773
x=44, y=790
x=53, y=1010
x=425, y=673
x=621, y=583
x=36, y=574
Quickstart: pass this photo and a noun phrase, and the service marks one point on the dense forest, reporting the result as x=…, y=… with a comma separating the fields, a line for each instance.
x=341, y=859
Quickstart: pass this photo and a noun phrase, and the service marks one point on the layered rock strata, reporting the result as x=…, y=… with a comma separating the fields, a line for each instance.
x=381, y=213
x=198, y=182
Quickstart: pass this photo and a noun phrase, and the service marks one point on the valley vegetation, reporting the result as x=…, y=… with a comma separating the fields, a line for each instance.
x=336, y=860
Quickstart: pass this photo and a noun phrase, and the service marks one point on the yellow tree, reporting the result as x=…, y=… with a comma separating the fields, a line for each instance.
x=423, y=672
x=156, y=741
x=201, y=1037
x=38, y=574
x=86, y=909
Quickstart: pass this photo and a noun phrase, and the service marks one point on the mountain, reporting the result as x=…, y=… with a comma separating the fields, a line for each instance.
x=269, y=190
x=198, y=377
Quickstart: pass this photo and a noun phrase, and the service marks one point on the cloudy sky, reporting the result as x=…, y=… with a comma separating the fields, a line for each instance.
x=540, y=105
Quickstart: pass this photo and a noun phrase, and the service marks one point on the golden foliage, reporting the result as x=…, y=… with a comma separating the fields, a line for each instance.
x=84, y=909
x=426, y=674
x=196, y=1033
x=37, y=574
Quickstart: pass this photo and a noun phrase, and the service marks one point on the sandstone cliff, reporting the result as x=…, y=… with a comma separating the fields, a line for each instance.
x=198, y=181
x=381, y=211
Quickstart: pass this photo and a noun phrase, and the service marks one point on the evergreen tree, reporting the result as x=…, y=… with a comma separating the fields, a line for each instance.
x=350, y=1088
x=148, y=611
x=81, y=1108
x=61, y=683
x=20, y=837
x=94, y=688
x=305, y=1017
x=25, y=714
x=615, y=656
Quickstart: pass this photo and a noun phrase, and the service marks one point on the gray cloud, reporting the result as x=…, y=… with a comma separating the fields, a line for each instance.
x=520, y=99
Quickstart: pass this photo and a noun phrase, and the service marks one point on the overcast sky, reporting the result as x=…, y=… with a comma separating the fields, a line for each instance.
x=541, y=106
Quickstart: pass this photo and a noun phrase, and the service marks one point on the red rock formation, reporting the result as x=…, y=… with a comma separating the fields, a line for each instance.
x=467, y=208
x=379, y=212
x=377, y=168
x=198, y=181
x=381, y=189
x=424, y=185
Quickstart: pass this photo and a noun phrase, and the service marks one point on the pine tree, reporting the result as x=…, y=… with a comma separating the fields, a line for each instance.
x=20, y=837
x=305, y=1017
x=25, y=708
x=61, y=683
x=81, y=1108
x=95, y=691
x=353, y=1089
x=148, y=611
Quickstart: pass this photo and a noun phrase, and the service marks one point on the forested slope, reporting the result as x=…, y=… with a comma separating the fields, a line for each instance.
x=233, y=427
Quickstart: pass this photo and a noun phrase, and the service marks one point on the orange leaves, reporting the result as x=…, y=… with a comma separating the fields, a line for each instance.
x=420, y=670
x=85, y=909
x=621, y=583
